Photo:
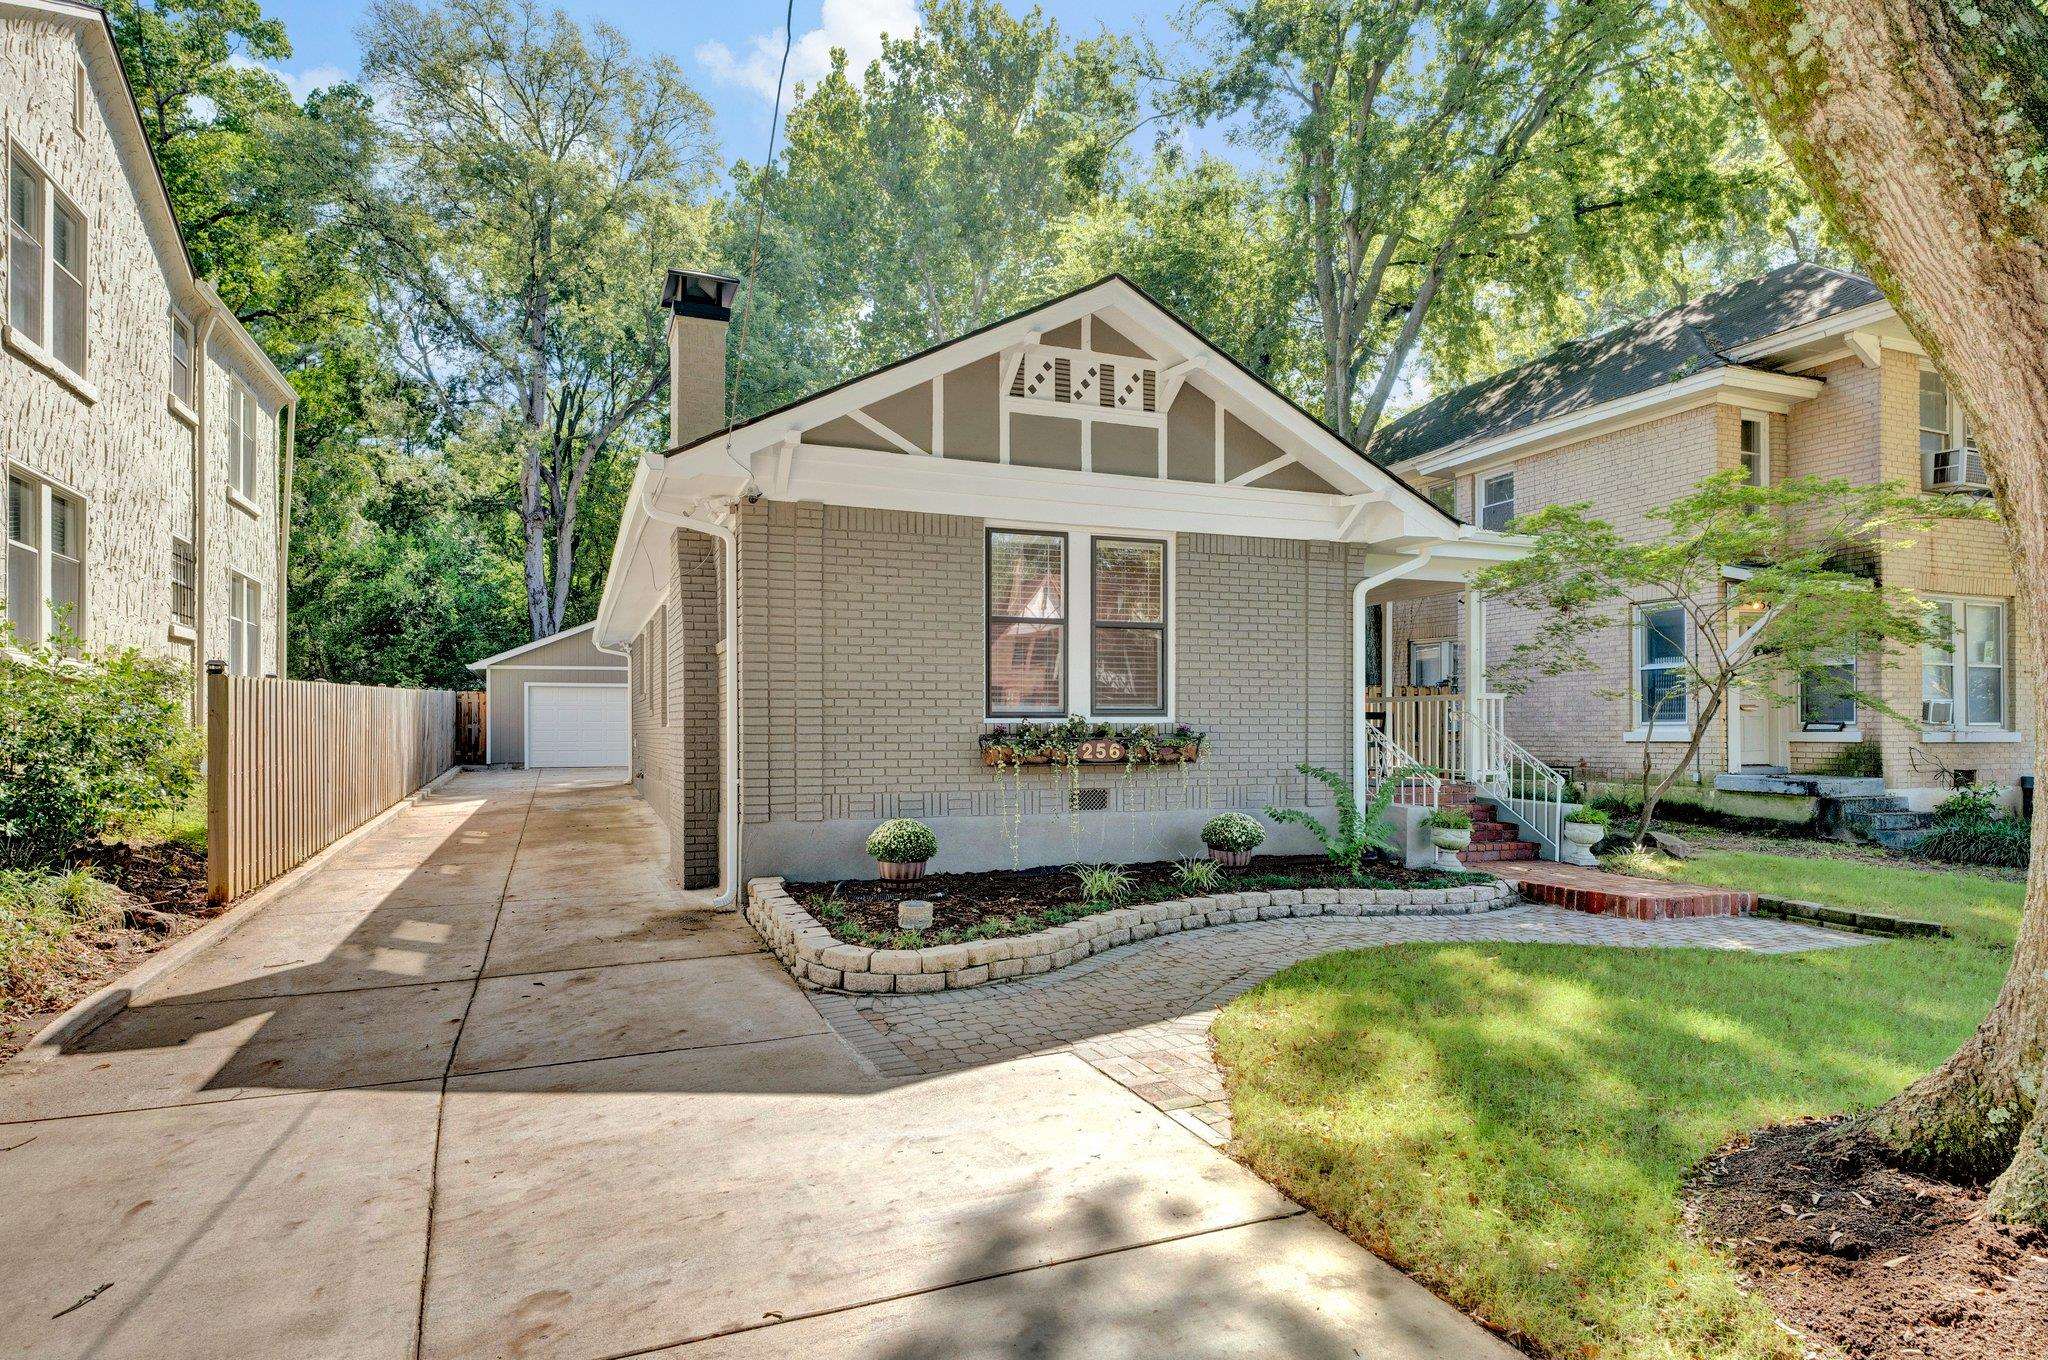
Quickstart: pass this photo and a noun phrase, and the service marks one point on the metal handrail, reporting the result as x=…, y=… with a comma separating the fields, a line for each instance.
x=1512, y=777
x=1384, y=758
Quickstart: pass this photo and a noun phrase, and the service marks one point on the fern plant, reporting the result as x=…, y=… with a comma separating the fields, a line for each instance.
x=1360, y=833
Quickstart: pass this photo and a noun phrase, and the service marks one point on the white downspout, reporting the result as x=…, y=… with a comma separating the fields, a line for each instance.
x=1358, y=594
x=728, y=887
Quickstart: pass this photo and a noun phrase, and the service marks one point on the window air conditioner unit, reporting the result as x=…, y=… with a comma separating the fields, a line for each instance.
x=1960, y=469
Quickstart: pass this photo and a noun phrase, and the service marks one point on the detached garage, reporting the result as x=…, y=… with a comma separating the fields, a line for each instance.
x=556, y=702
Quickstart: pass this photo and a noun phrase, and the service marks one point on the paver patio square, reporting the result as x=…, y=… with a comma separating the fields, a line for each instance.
x=172, y=1054
x=1287, y=1287
x=543, y=1018
x=285, y=952
x=574, y=928
x=276, y=1229
x=641, y=1211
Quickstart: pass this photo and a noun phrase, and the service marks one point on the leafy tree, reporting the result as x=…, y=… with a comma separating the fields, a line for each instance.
x=1921, y=126
x=1450, y=154
x=532, y=182
x=922, y=197
x=1209, y=241
x=1800, y=601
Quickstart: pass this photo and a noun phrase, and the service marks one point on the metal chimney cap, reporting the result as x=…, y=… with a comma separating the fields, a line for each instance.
x=689, y=292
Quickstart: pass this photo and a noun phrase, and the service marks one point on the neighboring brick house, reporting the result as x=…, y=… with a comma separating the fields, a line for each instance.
x=117, y=363
x=1092, y=448
x=1799, y=371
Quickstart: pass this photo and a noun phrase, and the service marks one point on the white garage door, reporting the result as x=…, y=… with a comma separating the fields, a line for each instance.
x=576, y=725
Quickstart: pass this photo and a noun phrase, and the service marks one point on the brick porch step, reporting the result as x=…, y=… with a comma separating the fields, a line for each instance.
x=1497, y=852
x=1605, y=894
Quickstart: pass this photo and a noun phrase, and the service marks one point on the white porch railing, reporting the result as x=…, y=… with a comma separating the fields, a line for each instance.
x=1520, y=783
x=1424, y=723
x=1384, y=759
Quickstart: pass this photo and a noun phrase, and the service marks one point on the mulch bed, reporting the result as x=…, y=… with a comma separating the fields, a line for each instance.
x=163, y=889
x=963, y=901
x=1880, y=1264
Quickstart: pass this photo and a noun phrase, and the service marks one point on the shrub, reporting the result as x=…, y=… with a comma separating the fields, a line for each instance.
x=1588, y=816
x=1448, y=819
x=1972, y=805
x=902, y=840
x=1196, y=875
x=1233, y=833
x=39, y=913
x=1102, y=883
x=85, y=742
x=1359, y=833
x=2000, y=844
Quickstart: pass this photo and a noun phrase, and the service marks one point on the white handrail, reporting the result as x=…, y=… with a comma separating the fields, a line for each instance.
x=1383, y=759
x=1519, y=782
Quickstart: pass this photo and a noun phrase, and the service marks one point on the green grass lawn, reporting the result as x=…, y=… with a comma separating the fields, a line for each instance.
x=1512, y=1123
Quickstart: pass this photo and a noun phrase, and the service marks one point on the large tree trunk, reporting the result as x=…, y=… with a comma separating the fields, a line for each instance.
x=1922, y=128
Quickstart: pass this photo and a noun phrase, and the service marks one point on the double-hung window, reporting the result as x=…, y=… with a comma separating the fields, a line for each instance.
x=1063, y=636
x=1027, y=624
x=184, y=583
x=45, y=551
x=1948, y=447
x=245, y=435
x=46, y=267
x=245, y=626
x=1827, y=694
x=1662, y=696
x=1497, y=501
x=1127, y=643
x=1756, y=450
x=1963, y=683
x=181, y=361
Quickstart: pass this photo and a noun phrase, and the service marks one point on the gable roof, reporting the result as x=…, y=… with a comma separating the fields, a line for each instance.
x=550, y=640
x=1671, y=346
x=1309, y=424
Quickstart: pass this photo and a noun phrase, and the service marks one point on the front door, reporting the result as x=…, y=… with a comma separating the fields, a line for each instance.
x=1756, y=732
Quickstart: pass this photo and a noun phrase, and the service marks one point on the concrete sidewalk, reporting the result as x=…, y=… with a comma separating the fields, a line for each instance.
x=484, y=1085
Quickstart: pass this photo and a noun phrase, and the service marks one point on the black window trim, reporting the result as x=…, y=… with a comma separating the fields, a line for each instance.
x=990, y=619
x=1096, y=625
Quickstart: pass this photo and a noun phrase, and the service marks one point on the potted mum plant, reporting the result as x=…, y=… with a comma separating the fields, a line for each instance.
x=901, y=847
x=1585, y=826
x=1231, y=838
x=1450, y=830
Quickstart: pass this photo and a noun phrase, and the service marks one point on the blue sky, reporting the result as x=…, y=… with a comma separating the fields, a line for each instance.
x=728, y=47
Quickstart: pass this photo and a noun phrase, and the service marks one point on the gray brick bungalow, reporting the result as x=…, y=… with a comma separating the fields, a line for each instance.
x=1085, y=509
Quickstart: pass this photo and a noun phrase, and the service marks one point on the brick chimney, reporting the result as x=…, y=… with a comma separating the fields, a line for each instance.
x=699, y=307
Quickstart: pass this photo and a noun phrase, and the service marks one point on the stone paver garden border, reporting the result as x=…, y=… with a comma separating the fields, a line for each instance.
x=819, y=960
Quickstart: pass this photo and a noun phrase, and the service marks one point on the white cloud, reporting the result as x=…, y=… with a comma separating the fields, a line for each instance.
x=300, y=83
x=856, y=25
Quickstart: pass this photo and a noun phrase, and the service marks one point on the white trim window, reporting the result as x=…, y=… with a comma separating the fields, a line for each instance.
x=27, y=232
x=1497, y=501
x=1025, y=601
x=180, y=374
x=245, y=626
x=1432, y=664
x=1827, y=690
x=47, y=274
x=1663, y=698
x=1040, y=663
x=245, y=429
x=1948, y=447
x=1755, y=441
x=45, y=576
x=1965, y=686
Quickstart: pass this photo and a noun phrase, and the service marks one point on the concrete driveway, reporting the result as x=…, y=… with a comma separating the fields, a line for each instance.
x=485, y=1085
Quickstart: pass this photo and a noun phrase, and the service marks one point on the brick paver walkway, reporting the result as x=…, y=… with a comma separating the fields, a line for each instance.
x=1141, y=1014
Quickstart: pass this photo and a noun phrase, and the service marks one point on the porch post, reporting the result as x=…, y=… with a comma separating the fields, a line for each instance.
x=1474, y=686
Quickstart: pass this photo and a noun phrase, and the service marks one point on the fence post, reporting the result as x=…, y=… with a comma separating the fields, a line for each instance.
x=219, y=885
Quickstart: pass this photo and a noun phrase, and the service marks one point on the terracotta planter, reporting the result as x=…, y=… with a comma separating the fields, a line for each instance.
x=898, y=872
x=1232, y=859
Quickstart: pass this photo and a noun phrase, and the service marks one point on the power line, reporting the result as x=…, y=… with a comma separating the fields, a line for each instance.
x=760, y=211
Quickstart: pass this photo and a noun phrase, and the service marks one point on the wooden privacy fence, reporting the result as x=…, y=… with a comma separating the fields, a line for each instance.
x=472, y=711
x=294, y=765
